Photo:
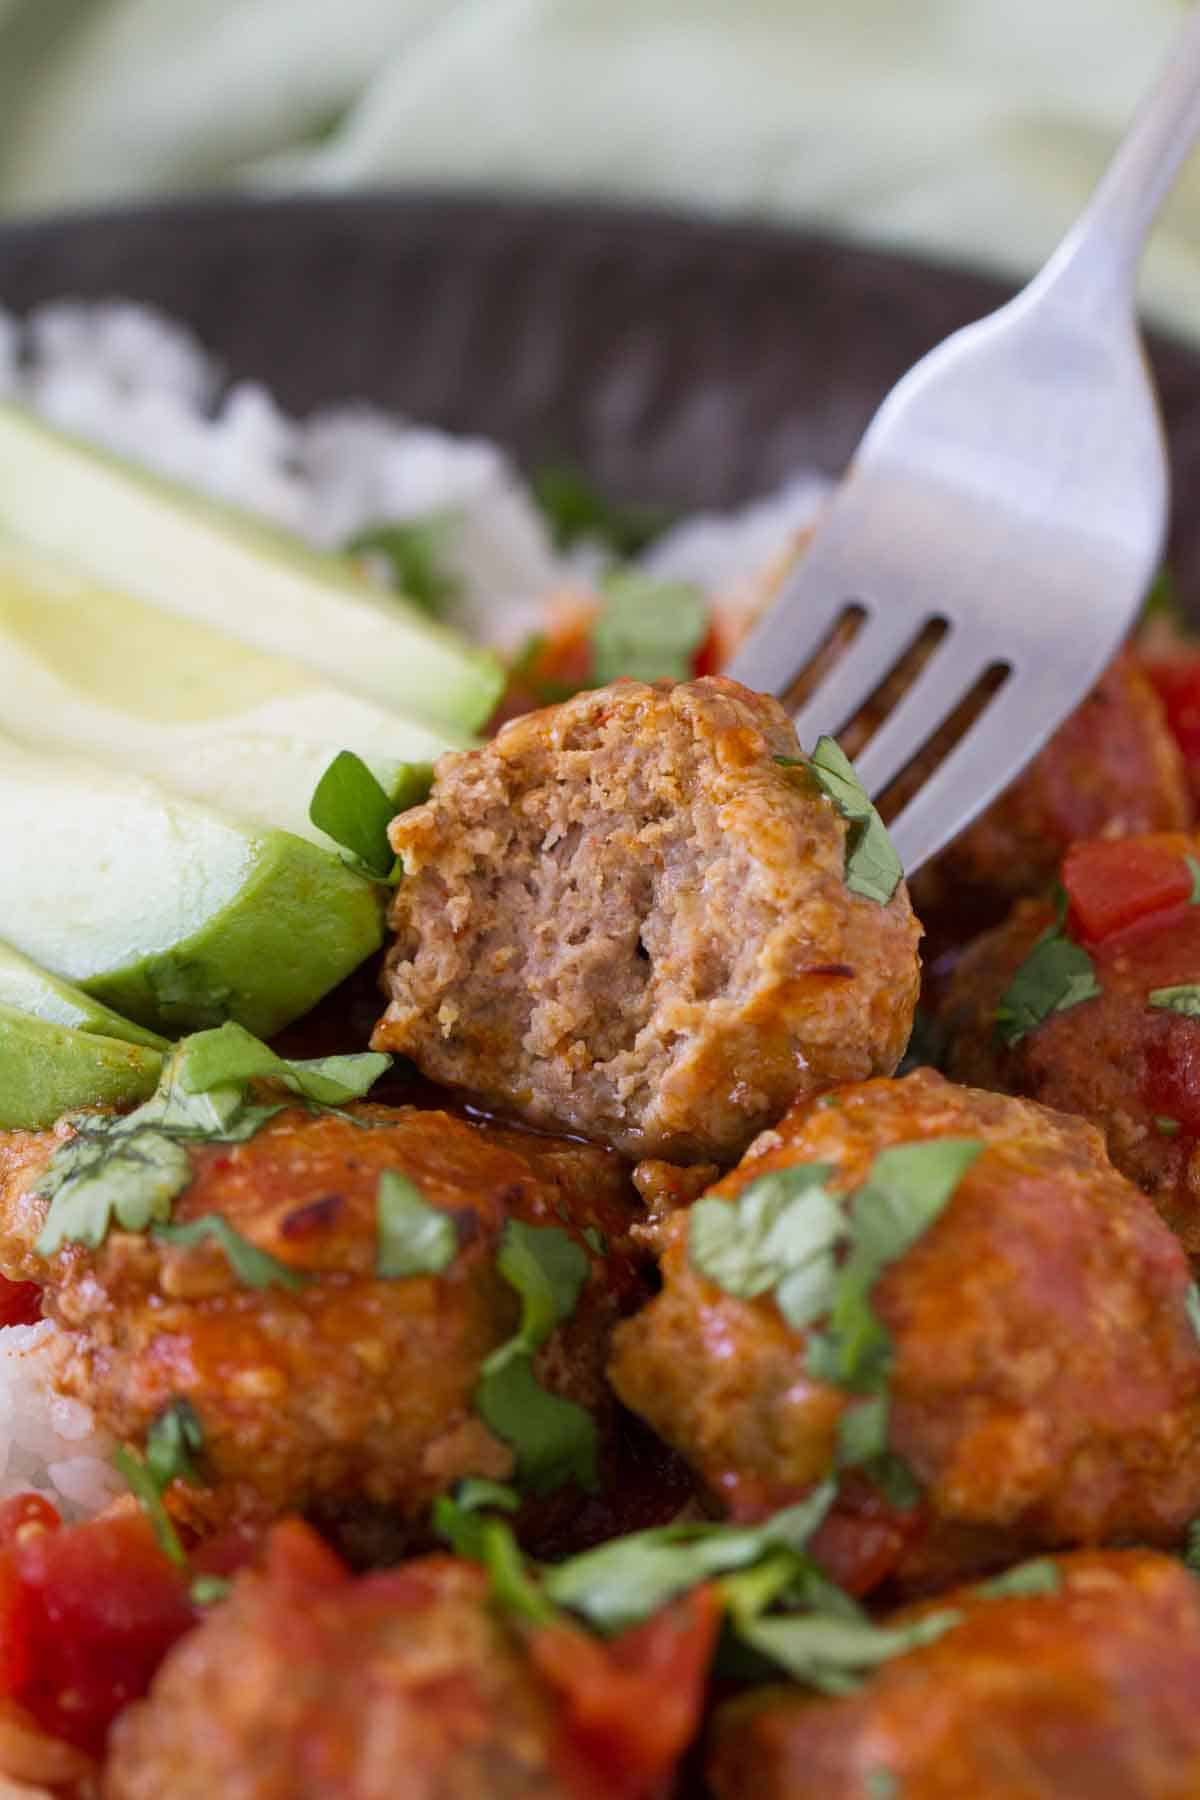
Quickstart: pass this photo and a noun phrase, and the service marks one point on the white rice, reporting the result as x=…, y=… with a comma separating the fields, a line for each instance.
x=141, y=385
x=49, y=1443
x=136, y=383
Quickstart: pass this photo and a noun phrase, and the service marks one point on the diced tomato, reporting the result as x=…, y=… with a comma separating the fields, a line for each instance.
x=20, y=1302
x=87, y=1613
x=860, y=1542
x=1114, y=883
x=1177, y=681
x=633, y=1705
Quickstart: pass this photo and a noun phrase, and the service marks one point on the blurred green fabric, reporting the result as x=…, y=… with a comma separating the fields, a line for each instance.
x=970, y=128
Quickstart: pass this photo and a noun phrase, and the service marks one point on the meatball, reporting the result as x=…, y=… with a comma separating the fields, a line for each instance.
x=406, y=1685
x=1083, y=1692
x=1044, y=1378
x=1129, y=1066
x=352, y=1387
x=1111, y=769
x=628, y=917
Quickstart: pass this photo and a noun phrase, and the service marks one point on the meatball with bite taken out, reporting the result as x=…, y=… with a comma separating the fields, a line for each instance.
x=950, y=1303
x=1093, y=1007
x=326, y=1367
x=1073, y=1679
x=410, y=1684
x=641, y=917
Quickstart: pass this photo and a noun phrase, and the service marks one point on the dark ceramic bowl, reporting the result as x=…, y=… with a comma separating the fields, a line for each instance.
x=677, y=360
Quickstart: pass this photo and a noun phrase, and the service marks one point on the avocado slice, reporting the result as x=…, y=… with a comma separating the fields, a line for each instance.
x=48, y=1069
x=93, y=671
x=175, y=914
x=25, y=988
x=188, y=555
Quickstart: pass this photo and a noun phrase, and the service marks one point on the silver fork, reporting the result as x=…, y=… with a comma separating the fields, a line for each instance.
x=1012, y=486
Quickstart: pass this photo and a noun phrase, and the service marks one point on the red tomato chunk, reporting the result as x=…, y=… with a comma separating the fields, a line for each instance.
x=1112, y=884
x=20, y=1302
x=87, y=1613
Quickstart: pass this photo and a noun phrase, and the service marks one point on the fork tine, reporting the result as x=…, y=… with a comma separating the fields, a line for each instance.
x=982, y=764
x=884, y=636
x=948, y=676
x=800, y=619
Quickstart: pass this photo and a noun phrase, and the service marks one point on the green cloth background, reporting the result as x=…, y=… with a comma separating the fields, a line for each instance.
x=972, y=128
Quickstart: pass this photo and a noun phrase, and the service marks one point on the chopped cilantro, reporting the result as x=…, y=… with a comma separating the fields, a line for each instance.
x=147, y=1490
x=173, y=1442
x=1193, y=869
x=1168, y=1127
x=414, y=1237
x=207, y=1590
x=477, y=1494
x=881, y=1784
x=352, y=806
x=231, y=1056
x=872, y=866
x=780, y=1224
x=1163, y=602
x=833, y=1653
x=1191, y=1305
x=1184, y=999
x=253, y=1267
x=788, y=1234
x=128, y=1168
x=412, y=552
x=1191, y=1554
x=622, y=1582
x=553, y=1439
x=647, y=629
x=1055, y=976
x=595, y=1240
x=576, y=511
x=1041, y=1576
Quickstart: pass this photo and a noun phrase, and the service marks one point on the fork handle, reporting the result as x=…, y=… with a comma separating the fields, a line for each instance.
x=1097, y=260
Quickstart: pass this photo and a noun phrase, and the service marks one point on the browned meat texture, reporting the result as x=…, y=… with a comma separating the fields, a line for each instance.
x=400, y=1686
x=1131, y=1069
x=354, y=1387
x=624, y=917
x=1087, y=1693
x=1111, y=770
x=1045, y=1384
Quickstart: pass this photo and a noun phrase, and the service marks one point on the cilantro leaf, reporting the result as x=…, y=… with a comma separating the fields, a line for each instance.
x=882, y=1784
x=1191, y=1554
x=1039, y=1576
x=906, y=1189
x=253, y=1267
x=622, y=1582
x=576, y=511
x=1165, y=1126
x=128, y=1168
x=230, y=1056
x=414, y=1237
x=146, y=1489
x=173, y=1442
x=1193, y=869
x=647, y=629
x=836, y=1654
x=548, y=1270
x=94, y=1179
x=1055, y=976
x=1184, y=999
x=208, y=1590
x=750, y=1244
x=350, y=805
x=412, y=551
x=477, y=1493
x=1191, y=1306
x=872, y=867
x=553, y=1439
